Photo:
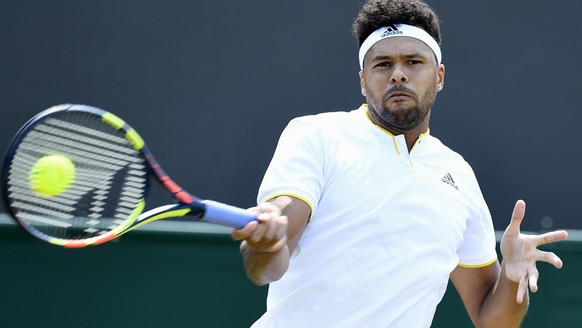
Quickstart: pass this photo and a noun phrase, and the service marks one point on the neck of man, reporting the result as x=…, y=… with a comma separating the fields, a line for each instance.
x=410, y=135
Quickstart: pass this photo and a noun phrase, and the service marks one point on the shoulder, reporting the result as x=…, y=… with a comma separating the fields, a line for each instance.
x=323, y=120
x=327, y=123
x=437, y=147
x=320, y=127
x=444, y=155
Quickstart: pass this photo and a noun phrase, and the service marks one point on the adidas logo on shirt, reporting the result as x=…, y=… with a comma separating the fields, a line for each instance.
x=448, y=179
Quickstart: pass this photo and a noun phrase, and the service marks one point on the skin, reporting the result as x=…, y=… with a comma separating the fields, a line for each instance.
x=400, y=81
x=269, y=242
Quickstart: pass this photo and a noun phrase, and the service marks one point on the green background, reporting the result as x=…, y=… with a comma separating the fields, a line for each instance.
x=191, y=275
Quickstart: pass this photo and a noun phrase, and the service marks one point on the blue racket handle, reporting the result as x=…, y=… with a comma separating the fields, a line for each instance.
x=226, y=215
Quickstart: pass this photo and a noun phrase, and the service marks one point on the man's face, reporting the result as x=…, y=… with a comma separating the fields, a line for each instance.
x=400, y=80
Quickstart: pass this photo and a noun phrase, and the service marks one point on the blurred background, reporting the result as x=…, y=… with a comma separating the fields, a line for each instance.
x=211, y=84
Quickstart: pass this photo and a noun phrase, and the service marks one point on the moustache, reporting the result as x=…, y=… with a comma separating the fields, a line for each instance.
x=399, y=88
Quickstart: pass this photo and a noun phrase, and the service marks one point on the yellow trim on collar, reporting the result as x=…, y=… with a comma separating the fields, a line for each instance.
x=364, y=107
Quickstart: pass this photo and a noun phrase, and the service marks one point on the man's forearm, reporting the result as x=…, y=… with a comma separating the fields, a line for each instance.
x=264, y=267
x=500, y=308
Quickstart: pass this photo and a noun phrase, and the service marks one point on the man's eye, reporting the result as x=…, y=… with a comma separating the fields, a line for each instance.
x=413, y=62
x=383, y=64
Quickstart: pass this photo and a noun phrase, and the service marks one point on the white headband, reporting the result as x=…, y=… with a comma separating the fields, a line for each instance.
x=399, y=30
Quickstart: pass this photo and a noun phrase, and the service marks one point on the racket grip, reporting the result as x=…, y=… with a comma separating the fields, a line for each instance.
x=226, y=215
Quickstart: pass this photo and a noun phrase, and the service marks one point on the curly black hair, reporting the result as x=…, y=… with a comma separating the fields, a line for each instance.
x=379, y=13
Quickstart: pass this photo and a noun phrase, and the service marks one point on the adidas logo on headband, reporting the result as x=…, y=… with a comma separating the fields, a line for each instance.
x=399, y=30
x=390, y=31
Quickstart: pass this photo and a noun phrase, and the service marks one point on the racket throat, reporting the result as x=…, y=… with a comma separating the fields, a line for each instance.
x=170, y=211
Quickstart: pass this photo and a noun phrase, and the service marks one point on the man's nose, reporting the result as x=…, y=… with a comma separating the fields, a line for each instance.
x=398, y=76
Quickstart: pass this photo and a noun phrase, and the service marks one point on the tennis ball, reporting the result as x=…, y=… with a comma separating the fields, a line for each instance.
x=52, y=175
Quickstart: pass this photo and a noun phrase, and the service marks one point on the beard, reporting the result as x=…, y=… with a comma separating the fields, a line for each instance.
x=397, y=118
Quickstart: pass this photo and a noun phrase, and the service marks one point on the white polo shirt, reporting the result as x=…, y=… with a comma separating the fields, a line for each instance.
x=387, y=226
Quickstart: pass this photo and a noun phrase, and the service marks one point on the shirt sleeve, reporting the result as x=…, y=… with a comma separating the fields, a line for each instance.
x=479, y=244
x=296, y=168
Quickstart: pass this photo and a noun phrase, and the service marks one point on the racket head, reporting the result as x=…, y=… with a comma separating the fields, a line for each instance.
x=111, y=176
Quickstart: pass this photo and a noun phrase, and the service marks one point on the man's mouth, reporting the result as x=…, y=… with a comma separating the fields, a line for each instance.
x=398, y=96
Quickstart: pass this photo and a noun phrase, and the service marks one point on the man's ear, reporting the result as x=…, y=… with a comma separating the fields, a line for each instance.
x=362, y=84
x=441, y=77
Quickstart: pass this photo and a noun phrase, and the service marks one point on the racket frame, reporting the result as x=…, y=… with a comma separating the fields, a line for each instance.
x=188, y=205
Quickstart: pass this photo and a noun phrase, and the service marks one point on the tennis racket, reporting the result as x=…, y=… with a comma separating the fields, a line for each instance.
x=109, y=170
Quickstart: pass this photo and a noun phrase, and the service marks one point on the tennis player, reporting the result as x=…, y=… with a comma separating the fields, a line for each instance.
x=365, y=216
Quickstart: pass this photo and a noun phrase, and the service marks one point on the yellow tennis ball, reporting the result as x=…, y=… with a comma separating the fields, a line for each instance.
x=52, y=175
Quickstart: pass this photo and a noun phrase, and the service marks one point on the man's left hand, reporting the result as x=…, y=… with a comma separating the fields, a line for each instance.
x=520, y=252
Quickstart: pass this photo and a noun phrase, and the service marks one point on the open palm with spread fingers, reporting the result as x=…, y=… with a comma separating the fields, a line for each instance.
x=520, y=252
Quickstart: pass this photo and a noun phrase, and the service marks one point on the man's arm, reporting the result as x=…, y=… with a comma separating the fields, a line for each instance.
x=489, y=296
x=497, y=296
x=268, y=243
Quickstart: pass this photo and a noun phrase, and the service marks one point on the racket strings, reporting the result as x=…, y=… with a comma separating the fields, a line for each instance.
x=110, y=177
